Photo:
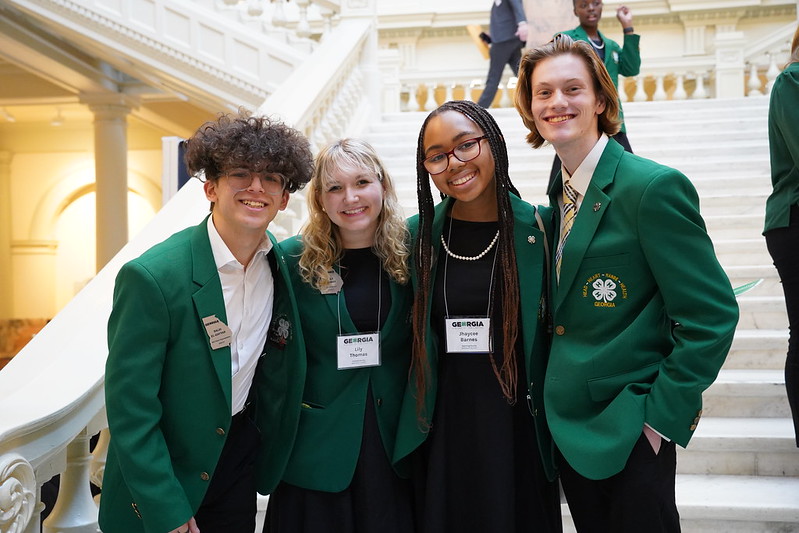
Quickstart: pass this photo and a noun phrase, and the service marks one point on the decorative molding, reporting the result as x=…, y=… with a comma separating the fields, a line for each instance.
x=150, y=47
x=17, y=493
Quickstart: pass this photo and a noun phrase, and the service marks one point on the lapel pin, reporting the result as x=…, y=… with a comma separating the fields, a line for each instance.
x=531, y=239
x=597, y=206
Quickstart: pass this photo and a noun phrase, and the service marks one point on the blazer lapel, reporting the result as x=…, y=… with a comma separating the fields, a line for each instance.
x=528, y=241
x=592, y=209
x=208, y=301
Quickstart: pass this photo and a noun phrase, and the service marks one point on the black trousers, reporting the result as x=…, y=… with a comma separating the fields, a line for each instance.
x=783, y=246
x=229, y=505
x=639, y=498
x=620, y=138
x=500, y=54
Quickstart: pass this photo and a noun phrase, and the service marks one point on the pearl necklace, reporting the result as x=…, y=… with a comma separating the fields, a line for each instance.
x=597, y=46
x=465, y=258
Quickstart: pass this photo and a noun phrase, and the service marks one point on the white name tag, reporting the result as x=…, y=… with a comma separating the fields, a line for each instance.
x=219, y=334
x=358, y=351
x=468, y=334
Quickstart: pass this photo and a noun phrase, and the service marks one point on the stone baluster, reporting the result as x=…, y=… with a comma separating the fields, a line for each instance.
x=772, y=73
x=753, y=82
x=660, y=91
x=99, y=455
x=622, y=88
x=327, y=20
x=679, y=90
x=504, y=100
x=448, y=92
x=475, y=84
x=303, y=27
x=699, y=92
x=75, y=510
x=279, y=15
x=428, y=97
x=413, y=101
x=255, y=8
x=640, y=94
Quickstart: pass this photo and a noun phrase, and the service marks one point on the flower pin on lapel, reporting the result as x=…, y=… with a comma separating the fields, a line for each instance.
x=531, y=239
x=597, y=206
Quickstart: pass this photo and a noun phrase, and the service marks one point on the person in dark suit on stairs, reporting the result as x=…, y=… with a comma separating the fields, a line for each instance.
x=507, y=36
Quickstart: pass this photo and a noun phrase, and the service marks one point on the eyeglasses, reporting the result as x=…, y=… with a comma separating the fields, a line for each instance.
x=585, y=5
x=241, y=179
x=465, y=151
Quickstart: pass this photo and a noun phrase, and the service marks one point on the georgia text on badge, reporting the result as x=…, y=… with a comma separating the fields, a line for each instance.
x=219, y=334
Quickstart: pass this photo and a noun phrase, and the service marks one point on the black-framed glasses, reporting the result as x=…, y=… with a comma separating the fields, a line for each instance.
x=241, y=179
x=465, y=151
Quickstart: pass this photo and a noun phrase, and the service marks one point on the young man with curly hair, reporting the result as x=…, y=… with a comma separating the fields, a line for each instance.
x=197, y=322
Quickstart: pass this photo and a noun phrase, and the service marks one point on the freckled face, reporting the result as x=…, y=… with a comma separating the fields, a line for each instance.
x=565, y=106
x=464, y=181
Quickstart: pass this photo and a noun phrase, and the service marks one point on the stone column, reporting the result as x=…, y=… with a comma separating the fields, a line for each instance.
x=730, y=64
x=111, y=172
x=34, y=292
x=6, y=281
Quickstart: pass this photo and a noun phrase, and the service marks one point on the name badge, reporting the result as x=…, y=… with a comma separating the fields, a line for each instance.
x=358, y=351
x=219, y=334
x=334, y=283
x=468, y=334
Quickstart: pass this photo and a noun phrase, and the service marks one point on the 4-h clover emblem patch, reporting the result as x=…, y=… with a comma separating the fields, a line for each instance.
x=606, y=289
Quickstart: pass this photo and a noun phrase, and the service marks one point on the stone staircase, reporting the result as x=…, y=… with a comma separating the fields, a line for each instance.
x=740, y=473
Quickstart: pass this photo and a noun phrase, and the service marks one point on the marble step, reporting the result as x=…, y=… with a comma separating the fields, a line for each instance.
x=741, y=446
x=746, y=393
x=741, y=274
x=755, y=349
x=762, y=312
x=742, y=251
x=722, y=227
x=731, y=504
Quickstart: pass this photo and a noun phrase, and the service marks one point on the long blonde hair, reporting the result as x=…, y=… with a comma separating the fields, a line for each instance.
x=321, y=239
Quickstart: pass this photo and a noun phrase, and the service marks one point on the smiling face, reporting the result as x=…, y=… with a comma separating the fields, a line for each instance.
x=467, y=182
x=353, y=200
x=565, y=106
x=243, y=213
x=589, y=12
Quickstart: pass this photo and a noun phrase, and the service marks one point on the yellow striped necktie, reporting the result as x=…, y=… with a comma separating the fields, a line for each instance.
x=566, y=222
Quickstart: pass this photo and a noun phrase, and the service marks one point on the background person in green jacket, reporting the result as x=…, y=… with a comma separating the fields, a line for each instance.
x=624, y=60
x=473, y=419
x=782, y=209
x=349, y=270
x=643, y=313
x=190, y=332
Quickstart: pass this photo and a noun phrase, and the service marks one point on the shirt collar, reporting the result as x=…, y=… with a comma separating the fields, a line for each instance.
x=222, y=254
x=582, y=176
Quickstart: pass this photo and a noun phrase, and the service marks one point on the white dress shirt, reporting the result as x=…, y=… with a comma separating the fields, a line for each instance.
x=249, y=293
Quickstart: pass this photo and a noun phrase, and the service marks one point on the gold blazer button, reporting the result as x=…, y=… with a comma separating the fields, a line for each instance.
x=560, y=330
x=693, y=427
x=220, y=431
x=204, y=476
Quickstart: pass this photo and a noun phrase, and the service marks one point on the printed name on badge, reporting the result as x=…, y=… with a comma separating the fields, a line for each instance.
x=358, y=351
x=468, y=334
x=219, y=334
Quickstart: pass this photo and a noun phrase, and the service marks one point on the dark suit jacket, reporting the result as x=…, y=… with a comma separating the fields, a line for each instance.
x=505, y=19
x=334, y=401
x=168, y=394
x=644, y=315
x=529, y=243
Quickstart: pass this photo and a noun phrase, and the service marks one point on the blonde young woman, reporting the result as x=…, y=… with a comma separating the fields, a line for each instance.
x=349, y=270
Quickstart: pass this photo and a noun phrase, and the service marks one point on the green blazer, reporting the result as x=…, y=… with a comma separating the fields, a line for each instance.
x=783, y=137
x=168, y=394
x=644, y=315
x=530, y=260
x=334, y=401
x=618, y=60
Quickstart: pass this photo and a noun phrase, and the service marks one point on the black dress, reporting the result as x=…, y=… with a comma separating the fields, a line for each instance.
x=479, y=469
x=377, y=500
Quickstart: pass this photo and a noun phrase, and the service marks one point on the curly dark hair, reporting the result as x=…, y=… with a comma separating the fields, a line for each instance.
x=259, y=144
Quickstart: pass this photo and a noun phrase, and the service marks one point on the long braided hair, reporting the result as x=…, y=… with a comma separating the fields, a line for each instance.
x=509, y=285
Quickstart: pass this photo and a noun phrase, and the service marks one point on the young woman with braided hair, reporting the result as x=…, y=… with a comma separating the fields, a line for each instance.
x=472, y=421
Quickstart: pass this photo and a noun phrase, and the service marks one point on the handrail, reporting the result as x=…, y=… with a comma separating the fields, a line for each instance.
x=47, y=400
